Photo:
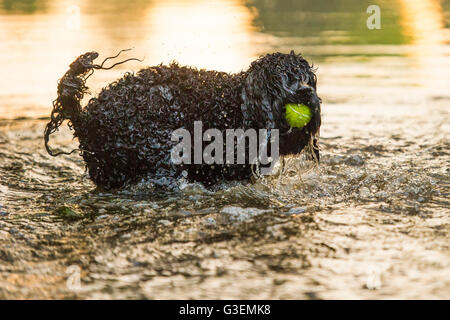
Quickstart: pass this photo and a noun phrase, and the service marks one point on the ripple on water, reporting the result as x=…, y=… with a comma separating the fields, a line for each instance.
x=305, y=219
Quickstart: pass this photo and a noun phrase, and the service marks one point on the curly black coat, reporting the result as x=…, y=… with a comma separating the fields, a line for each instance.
x=125, y=133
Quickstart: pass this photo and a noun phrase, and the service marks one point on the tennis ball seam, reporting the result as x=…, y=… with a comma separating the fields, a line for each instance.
x=298, y=118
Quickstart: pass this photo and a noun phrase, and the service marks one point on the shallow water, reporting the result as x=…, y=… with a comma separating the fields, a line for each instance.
x=371, y=221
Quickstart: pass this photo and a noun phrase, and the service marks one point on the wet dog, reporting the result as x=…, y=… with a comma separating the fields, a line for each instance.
x=126, y=132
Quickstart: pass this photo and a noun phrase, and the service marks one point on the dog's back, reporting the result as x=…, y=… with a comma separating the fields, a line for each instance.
x=127, y=130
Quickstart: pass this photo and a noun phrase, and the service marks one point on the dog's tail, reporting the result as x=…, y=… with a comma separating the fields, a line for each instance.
x=71, y=90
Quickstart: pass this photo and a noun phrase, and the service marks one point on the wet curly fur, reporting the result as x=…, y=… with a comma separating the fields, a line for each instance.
x=125, y=132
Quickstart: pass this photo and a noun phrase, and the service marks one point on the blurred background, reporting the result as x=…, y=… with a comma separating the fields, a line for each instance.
x=40, y=38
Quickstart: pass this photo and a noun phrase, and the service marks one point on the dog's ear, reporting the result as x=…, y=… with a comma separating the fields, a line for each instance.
x=257, y=98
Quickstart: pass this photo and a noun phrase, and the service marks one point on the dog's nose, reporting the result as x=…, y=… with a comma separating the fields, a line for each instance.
x=308, y=96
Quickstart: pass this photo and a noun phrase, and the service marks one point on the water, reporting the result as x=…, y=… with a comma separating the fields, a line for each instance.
x=371, y=222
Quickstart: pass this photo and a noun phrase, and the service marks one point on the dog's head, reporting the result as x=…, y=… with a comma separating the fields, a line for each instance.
x=271, y=83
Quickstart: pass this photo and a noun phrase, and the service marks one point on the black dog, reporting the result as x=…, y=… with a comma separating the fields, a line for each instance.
x=125, y=133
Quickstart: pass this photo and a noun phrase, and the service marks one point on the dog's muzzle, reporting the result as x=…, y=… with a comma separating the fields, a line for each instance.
x=307, y=95
x=314, y=105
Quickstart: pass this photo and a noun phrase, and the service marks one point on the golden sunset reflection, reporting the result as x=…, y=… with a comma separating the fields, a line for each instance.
x=37, y=49
x=206, y=34
x=38, y=44
x=422, y=21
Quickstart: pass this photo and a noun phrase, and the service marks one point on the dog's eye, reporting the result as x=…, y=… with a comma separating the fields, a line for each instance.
x=294, y=85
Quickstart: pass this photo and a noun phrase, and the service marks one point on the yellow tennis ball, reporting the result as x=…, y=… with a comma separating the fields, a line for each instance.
x=298, y=115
